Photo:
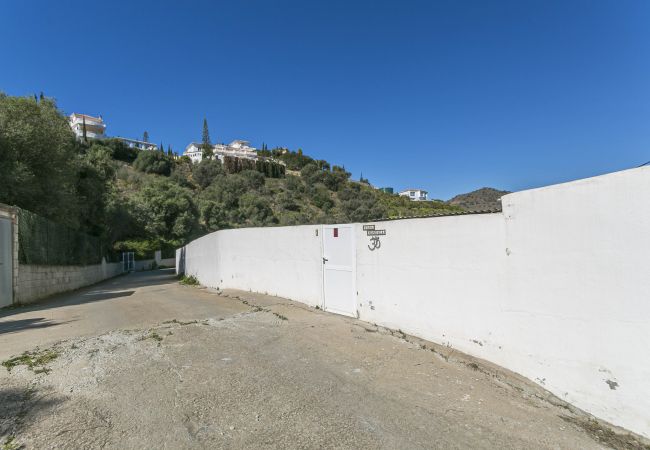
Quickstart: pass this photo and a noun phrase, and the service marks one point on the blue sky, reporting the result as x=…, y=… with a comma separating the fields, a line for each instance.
x=445, y=95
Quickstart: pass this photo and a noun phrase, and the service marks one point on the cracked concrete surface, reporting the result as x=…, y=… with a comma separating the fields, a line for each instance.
x=172, y=366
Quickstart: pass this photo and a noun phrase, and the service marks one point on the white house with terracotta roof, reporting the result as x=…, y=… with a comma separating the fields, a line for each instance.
x=417, y=195
x=95, y=126
x=237, y=149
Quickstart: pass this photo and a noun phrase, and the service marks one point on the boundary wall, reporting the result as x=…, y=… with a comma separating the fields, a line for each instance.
x=31, y=282
x=556, y=287
x=36, y=282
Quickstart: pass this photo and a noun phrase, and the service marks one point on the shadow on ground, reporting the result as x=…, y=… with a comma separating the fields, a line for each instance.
x=106, y=290
x=19, y=407
x=14, y=326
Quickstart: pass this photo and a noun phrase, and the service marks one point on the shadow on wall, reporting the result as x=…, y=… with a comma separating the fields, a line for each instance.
x=181, y=262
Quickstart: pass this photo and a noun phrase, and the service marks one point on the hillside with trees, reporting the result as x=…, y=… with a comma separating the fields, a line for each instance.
x=143, y=200
x=483, y=199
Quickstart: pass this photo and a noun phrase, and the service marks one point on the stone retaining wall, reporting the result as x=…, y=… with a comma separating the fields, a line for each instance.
x=35, y=282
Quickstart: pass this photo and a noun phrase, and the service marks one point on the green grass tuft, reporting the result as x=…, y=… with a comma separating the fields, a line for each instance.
x=189, y=281
x=35, y=361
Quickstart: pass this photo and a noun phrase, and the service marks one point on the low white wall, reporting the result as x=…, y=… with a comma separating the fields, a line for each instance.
x=167, y=262
x=556, y=288
x=36, y=282
x=281, y=261
x=143, y=264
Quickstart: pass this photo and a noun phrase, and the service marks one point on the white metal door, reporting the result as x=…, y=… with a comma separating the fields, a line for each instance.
x=128, y=261
x=339, y=272
x=6, y=262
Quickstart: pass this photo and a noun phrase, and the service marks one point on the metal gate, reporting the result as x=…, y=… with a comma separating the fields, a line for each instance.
x=339, y=270
x=6, y=262
x=128, y=261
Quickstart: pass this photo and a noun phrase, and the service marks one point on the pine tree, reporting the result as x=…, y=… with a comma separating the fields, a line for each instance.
x=206, y=145
x=162, y=147
x=145, y=136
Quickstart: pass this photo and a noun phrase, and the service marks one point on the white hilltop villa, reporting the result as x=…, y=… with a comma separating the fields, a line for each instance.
x=95, y=126
x=134, y=143
x=96, y=129
x=418, y=195
x=237, y=149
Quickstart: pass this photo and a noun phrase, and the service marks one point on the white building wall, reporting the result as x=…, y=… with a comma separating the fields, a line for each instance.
x=556, y=288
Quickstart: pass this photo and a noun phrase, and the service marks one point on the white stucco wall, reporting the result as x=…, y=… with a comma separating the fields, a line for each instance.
x=556, y=288
x=438, y=278
x=578, y=292
x=281, y=261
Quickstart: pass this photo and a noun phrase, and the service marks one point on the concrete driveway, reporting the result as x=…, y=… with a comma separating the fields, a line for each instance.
x=143, y=362
x=136, y=300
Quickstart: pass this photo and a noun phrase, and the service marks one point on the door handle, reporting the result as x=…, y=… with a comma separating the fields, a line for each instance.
x=325, y=259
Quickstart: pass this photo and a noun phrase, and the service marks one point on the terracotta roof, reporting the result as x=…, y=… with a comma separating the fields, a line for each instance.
x=441, y=214
x=99, y=119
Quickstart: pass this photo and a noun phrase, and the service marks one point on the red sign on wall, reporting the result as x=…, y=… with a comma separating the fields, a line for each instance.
x=336, y=232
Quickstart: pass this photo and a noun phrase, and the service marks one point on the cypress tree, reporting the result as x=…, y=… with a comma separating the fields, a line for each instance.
x=145, y=136
x=162, y=147
x=83, y=127
x=206, y=145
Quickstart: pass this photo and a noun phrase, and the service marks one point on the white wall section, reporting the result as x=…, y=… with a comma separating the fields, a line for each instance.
x=281, y=261
x=556, y=288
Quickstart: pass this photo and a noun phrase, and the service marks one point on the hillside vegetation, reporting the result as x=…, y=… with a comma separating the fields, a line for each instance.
x=479, y=200
x=145, y=200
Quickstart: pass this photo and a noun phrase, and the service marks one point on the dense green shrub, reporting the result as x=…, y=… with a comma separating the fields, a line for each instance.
x=205, y=172
x=270, y=169
x=153, y=161
x=142, y=248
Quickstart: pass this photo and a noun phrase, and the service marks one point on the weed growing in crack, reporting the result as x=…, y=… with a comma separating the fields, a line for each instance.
x=152, y=335
x=189, y=281
x=280, y=316
x=10, y=444
x=180, y=322
x=35, y=361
